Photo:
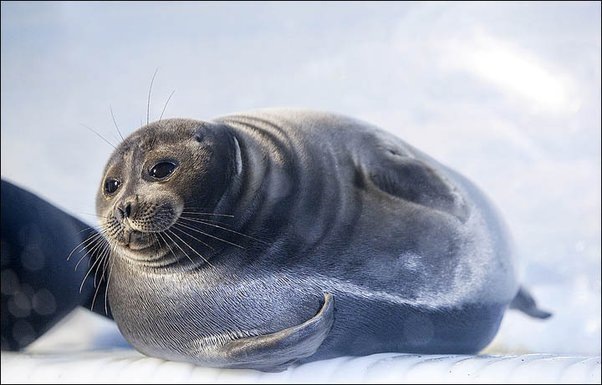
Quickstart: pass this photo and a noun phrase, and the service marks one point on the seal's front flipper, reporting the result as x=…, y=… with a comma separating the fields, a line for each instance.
x=274, y=352
x=524, y=302
x=415, y=181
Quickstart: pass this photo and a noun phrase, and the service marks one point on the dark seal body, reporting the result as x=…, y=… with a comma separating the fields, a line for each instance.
x=44, y=261
x=342, y=240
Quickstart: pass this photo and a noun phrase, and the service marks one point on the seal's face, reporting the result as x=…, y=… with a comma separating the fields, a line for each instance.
x=158, y=173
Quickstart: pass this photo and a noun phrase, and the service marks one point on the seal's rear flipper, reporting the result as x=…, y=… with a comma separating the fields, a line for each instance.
x=274, y=352
x=524, y=302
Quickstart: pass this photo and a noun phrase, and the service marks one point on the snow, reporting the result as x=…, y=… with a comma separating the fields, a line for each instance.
x=507, y=94
x=123, y=366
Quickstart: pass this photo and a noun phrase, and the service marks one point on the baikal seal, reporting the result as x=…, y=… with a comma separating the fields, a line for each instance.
x=274, y=237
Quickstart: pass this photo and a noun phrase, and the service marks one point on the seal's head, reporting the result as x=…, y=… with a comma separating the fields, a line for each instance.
x=160, y=171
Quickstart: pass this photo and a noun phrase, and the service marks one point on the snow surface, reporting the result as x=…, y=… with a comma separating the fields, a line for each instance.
x=127, y=366
x=507, y=94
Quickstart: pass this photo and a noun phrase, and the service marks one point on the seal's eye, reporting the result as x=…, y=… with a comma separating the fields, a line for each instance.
x=162, y=170
x=111, y=185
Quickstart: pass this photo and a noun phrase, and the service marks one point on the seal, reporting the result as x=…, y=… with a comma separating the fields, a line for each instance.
x=45, y=260
x=278, y=236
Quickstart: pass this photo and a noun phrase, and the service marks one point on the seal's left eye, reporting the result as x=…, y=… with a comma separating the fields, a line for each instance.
x=162, y=170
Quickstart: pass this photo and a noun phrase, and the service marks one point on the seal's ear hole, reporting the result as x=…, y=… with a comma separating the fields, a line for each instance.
x=199, y=136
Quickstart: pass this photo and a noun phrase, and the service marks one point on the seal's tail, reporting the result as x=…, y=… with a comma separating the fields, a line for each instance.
x=524, y=302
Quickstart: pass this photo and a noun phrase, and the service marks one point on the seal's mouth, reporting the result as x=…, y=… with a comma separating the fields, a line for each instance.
x=137, y=240
x=136, y=247
x=141, y=246
x=146, y=238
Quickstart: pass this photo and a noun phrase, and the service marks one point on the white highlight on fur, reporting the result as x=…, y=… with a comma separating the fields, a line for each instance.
x=238, y=157
x=476, y=278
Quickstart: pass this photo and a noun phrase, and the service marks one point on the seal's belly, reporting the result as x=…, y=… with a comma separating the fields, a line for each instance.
x=176, y=322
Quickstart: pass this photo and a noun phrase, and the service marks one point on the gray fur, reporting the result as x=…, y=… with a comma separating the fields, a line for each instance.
x=354, y=243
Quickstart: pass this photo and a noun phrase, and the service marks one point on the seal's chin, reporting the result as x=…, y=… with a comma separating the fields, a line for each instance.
x=140, y=246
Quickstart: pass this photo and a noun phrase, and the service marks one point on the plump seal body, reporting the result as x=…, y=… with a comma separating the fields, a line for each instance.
x=279, y=236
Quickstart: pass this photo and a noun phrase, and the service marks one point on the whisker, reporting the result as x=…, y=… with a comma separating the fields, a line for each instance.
x=176, y=227
x=164, y=241
x=166, y=103
x=90, y=228
x=170, y=249
x=107, y=287
x=168, y=246
x=100, y=136
x=99, y=242
x=223, y=228
x=190, y=247
x=212, y=236
x=81, y=287
x=115, y=122
x=148, y=102
x=104, y=265
x=96, y=273
x=94, y=215
x=178, y=246
x=83, y=243
x=210, y=220
x=198, y=213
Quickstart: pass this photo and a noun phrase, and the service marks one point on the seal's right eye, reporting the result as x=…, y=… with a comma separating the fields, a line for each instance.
x=162, y=170
x=111, y=185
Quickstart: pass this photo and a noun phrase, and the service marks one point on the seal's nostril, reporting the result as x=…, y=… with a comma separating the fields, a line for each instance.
x=120, y=213
x=124, y=211
x=128, y=210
